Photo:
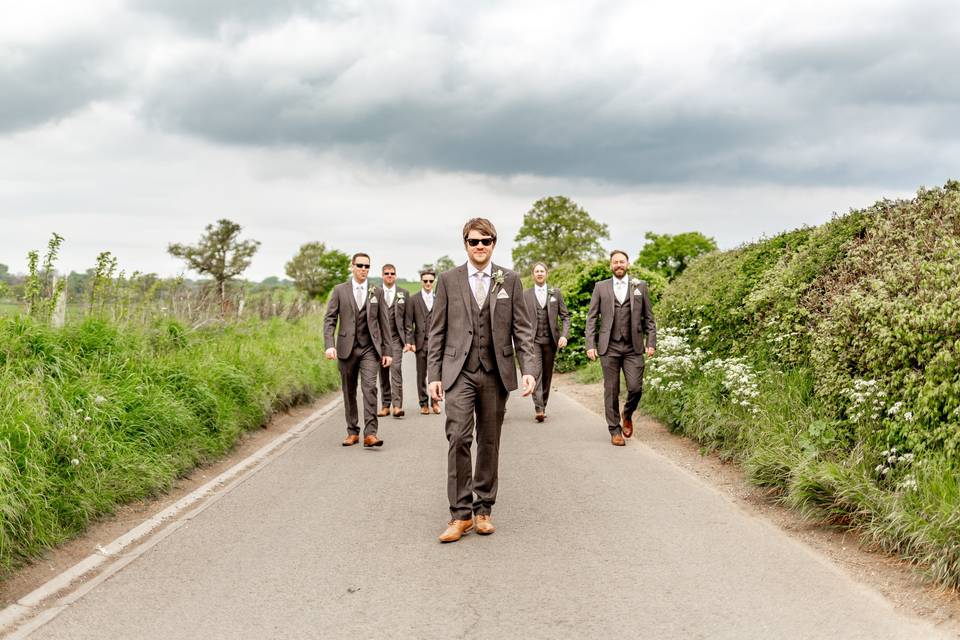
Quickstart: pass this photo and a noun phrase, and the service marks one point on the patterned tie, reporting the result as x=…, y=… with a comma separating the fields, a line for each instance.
x=481, y=292
x=359, y=297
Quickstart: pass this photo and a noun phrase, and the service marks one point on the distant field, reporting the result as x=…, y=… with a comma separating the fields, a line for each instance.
x=8, y=308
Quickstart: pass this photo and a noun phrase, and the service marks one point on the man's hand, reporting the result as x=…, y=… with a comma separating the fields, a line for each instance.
x=529, y=383
x=561, y=343
x=331, y=353
x=386, y=361
x=592, y=354
x=436, y=390
x=412, y=348
x=650, y=351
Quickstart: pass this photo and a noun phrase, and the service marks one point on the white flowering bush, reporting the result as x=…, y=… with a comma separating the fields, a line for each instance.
x=737, y=380
x=675, y=361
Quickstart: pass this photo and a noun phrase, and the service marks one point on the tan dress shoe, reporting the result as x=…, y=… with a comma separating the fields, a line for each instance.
x=436, y=407
x=397, y=412
x=627, y=427
x=425, y=411
x=484, y=526
x=384, y=412
x=456, y=530
x=349, y=441
x=539, y=417
x=372, y=441
x=616, y=440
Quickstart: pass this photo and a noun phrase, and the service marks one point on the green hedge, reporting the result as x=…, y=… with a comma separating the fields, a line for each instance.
x=826, y=361
x=94, y=415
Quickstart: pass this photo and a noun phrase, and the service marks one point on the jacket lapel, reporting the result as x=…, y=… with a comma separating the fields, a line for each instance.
x=492, y=296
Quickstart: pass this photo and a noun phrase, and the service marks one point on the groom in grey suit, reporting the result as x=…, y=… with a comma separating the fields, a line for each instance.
x=626, y=324
x=361, y=347
x=551, y=329
x=478, y=319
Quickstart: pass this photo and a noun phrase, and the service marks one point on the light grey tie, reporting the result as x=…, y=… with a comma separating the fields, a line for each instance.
x=481, y=292
x=359, y=297
x=620, y=292
x=389, y=295
x=542, y=297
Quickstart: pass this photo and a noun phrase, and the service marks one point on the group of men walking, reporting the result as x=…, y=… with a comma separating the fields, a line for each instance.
x=470, y=327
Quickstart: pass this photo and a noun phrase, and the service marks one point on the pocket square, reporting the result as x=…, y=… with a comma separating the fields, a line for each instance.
x=552, y=299
x=502, y=294
x=636, y=292
x=374, y=301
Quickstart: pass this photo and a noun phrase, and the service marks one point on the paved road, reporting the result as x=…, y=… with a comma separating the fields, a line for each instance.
x=593, y=542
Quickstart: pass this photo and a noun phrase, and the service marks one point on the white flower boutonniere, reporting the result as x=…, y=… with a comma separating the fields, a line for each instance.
x=372, y=293
x=498, y=276
x=400, y=298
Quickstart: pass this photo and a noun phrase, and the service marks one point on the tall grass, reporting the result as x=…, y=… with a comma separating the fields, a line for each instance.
x=97, y=413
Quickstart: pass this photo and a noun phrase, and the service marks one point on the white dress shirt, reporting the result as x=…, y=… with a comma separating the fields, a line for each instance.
x=620, y=288
x=389, y=293
x=541, y=293
x=475, y=275
x=362, y=288
x=427, y=299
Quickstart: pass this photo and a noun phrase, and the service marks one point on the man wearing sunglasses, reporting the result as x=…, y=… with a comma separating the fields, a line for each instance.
x=419, y=310
x=549, y=312
x=362, y=346
x=391, y=378
x=478, y=317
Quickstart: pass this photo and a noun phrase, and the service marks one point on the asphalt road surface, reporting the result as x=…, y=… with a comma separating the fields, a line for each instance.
x=592, y=541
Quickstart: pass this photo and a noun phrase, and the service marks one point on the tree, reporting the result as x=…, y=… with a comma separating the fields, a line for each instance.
x=443, y=263
x=670, y=255
x=557, y=230
x=220, y=254
x=4, y=272
x=316, y=270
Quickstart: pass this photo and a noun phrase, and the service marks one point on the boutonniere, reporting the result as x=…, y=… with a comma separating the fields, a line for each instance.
x=400, y=298
x=372, y=294
x=498, y=276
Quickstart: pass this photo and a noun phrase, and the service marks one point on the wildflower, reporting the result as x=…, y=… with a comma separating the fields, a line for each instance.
x=87, y=418
x=99, y=400
x=75, y=462
x=73, y=438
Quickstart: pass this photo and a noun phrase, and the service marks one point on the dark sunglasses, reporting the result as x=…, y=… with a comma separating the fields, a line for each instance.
x=389, y=273
x=484, y=241
x=427, y=281
x=361, y=265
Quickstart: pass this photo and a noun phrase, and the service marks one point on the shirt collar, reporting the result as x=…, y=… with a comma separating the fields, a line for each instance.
x=540, y=288
x=357, y=284
x=426, y=294
x=391, y=289
x=625, y=280
x=472, y=270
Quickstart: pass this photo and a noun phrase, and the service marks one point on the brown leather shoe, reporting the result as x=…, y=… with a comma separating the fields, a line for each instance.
x=351, y=440
x=616, y=440
x=539, y=417
x=484, y=526
x=384, y=412
x=436, y=407
x=456, y=529
x=372, y=441
x=397, y=412
x=425, y=411
x=627, y=427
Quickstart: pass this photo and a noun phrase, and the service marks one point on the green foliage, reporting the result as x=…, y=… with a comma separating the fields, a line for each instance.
x=219, y=253
x=576, y=282
x=443, y=263
x=851, y=330
x=42, y=290
x=670, y=255
x=97, y=414
x=555, y=231
x=316, y=270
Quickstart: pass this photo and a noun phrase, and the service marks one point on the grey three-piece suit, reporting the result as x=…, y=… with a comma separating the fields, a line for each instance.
x=547, y=331
x=362, y=340
x=471, y=352
x=391, y=378
x=624, y=331
x=418, y=323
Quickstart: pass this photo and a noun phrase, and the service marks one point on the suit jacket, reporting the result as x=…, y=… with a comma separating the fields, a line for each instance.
x=451, y=327
x=398, y=328
x=641, y=316
x=418, y=321
x=343, y=307
x=556, y=312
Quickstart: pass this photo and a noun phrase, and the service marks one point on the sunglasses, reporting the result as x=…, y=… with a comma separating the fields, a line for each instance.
x=360, y=265
x=389, y=273
x=427, y=281
x=484, y=241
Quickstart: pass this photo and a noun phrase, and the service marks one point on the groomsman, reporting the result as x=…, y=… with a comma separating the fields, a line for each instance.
x=549, y=311
x=478, y=318
x=419, y=309
x=626, y=316
x=361, y=346
x=391, y=379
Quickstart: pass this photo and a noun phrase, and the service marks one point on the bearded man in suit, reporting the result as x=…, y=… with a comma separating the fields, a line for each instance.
x=551, y=321
x=625, y=325
x=361, y=347
x=419, y=310
x=478, y=318
x=391, y=378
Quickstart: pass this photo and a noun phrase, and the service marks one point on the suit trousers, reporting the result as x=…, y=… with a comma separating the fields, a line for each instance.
x=620, y=356
x=362, y=364
x=391, y=379
x=422, y=376
x=476, y=401
x=547, y=354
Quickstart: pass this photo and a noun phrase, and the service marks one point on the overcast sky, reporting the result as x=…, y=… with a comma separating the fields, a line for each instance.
x=383, y=125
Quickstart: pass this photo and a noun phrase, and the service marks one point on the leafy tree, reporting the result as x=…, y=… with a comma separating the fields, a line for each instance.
x=315, y=270
x=4, y=272
x=557, y=230
x=443, y=263
x=220, y=254
x=670, y=255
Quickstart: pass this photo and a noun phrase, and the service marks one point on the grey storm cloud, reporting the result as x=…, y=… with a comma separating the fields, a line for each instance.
x=209, y=15
x=46, y=82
